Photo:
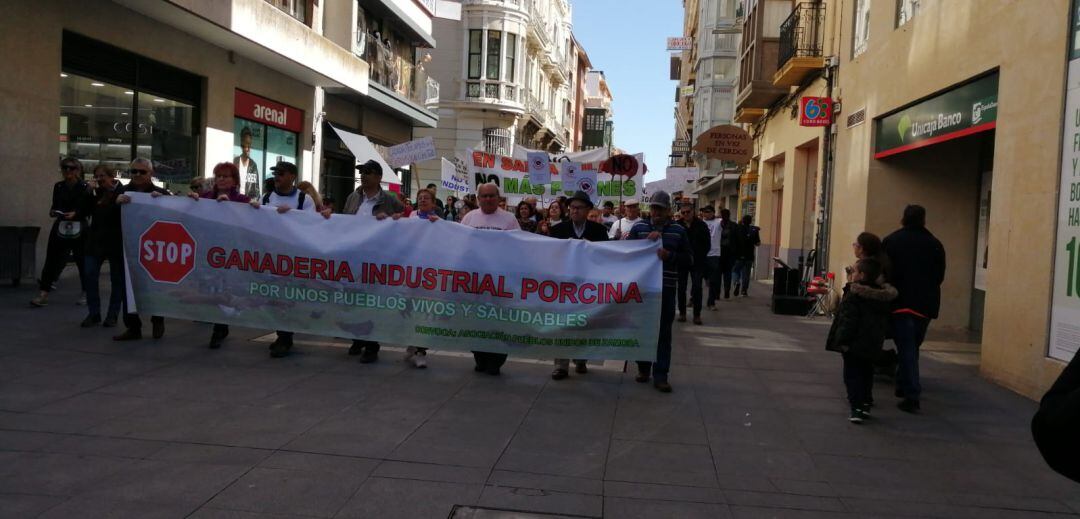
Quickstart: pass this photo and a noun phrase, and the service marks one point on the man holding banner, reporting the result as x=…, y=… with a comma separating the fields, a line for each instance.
x=675, y=253
x=490, y=217
x=577, y=228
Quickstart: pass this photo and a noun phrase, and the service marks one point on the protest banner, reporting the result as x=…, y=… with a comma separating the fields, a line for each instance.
x=408, y=282
x=539, y=167
x=455, y=176
x=417, y=150
x=511, y=174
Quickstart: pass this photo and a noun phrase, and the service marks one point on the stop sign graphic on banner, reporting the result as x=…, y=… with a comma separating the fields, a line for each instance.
x=167, y=252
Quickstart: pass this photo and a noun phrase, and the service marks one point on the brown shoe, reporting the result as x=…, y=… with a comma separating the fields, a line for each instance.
x=697, y=319
x=130, y=334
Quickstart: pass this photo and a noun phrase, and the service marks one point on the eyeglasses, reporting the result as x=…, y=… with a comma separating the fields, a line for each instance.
x=69, y=167
x=134, y=171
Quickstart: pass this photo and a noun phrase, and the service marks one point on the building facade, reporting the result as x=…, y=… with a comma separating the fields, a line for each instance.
x=190, y=84
x=598, y=126
x=508, y=71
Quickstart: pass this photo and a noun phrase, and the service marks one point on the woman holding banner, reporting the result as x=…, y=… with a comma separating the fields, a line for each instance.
x=426, y=210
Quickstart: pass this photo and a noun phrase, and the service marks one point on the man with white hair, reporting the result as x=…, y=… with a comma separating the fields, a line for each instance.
x=142, y=181
x=490, y=217
x=621, y=228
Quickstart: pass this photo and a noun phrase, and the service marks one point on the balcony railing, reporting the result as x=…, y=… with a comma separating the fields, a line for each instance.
x=801, y=33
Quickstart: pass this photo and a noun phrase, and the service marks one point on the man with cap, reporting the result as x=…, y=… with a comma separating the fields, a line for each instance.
x=621, y=228
x=675, y=253
x=577, y=228
x=285, y=197
x=371, y=201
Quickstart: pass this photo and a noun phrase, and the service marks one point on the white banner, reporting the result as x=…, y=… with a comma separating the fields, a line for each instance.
x=455, y=176
x=418, y=150
x=407, y=282
x=539, y=167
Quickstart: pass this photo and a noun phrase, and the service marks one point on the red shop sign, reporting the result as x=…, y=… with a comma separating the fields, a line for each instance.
x=255, y=108
x=815, y=111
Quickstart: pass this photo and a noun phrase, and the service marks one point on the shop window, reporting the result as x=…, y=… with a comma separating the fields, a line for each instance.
x=862, y=27
x=475, y=51
x=906, y=10
x=260, y=144
x=494, y=48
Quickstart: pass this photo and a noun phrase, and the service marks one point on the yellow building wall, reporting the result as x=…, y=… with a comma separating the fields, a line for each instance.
x=946, y=43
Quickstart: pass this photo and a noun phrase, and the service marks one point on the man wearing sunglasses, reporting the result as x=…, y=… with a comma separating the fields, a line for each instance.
x=66, y=239
x=142, y=181
x=700, y=243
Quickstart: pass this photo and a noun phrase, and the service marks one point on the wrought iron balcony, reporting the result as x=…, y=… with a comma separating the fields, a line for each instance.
x=801, y=45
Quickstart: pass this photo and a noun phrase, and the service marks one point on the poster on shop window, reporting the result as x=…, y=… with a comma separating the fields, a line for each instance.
x=1065, y=306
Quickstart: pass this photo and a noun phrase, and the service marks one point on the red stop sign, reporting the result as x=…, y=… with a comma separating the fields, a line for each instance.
x=167, y=252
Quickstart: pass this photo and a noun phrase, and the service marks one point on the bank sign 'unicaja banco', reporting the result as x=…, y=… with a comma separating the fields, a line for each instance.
x=961, y=111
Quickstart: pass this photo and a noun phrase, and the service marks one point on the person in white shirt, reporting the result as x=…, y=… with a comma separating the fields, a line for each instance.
x=608, y=218
x=284, y=198
x=489, y=216
x=712, y=260
x=621, y=228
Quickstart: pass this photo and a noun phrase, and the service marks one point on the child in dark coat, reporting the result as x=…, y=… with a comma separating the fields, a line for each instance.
x=858, y=333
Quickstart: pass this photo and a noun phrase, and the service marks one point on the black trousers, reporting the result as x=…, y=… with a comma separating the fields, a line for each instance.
x=694, y=277
x=370, y=347
x=487, y=360
x=57, y=254
x=859, y=380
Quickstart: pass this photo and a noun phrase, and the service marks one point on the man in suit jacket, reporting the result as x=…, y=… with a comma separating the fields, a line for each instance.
x=578, y=227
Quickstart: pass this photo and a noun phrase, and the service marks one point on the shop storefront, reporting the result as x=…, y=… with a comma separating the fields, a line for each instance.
x=116, y=105
x=265, y=132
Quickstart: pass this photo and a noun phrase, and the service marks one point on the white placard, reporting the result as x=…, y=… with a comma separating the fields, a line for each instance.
x=417, y=150
x=455, y=176
x=539, y=168
x=576, y=179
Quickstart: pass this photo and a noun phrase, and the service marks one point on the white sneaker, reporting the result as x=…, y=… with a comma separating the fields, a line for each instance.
x=82, y=300
x=420, y=360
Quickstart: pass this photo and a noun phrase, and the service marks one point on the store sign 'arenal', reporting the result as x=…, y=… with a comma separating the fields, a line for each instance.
x=962, y=111
x=256, y=108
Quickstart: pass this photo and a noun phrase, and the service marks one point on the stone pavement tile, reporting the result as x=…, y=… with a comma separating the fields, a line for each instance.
x=584, y=419
x=557, y=454
x=464, y=443
x=27, y=440
x=213, y=454
x=263, y=427
x=541, y=501
x=95, y=507
x=792, y=501
x=873, y=507
x=387, y=498
x=740, y=460
x=643, y=421
x=803, y=488
x=208, y=512
x=100, y=446
x=103, y=406
x=431, y=472
x=363, y=431
x=623, y=508
x=47, y=423
x=56, y=474
x=167, y=419
x=505, y=478
x=662, y=492
x=26, y=505
x=22, y=397
x=166, y=482
x=289, y=491
x=816, y=388
x=192, y=381
x=757, y=512
x=662, y=463
x=345, y=466
x=1074, y=504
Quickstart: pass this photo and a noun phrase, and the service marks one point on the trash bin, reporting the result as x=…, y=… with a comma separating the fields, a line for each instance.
x=18, y=253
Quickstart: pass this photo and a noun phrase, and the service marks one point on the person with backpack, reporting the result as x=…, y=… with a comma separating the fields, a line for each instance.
x=858, y=332
x=371, y=201
x=285, y=197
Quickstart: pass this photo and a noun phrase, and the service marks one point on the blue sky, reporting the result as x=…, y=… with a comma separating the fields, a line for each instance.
x=626, y=39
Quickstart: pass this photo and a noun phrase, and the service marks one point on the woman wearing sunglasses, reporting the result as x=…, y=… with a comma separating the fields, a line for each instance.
x=67, y=237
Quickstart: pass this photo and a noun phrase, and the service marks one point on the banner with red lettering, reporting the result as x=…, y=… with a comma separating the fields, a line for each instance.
x=512, y=176
x=407, y=282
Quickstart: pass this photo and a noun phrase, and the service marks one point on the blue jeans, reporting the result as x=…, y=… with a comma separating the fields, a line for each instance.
x=92, y=271
x=663, y=344
x=741, y=274
x=909, y=331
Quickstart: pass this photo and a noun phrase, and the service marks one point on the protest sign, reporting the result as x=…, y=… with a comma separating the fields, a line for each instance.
x=417, y=150
x=539, y=167
x=407, y=282
x=455, y=176
x=576, y=179
x=511, y=174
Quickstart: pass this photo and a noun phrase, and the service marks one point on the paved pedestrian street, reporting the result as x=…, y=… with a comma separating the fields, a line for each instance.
x=756, y=427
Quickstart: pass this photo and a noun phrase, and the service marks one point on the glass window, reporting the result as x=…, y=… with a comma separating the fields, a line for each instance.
x=494, y=47
x=475, y=50
x=164, y=134
x=511, y=56
x=862, y=27
x=906, y=10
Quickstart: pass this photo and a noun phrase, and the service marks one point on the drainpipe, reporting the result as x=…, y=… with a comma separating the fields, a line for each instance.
x=825, y=220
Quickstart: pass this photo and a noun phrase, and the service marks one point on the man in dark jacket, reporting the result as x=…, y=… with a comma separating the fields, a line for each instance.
x=578, y=227
x=700, y=241
x=142, y=181
x=918, y=268
x=675, y=253
x=67, y=237
x=749, y=237
x=370, y=200
x=1056, y=426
